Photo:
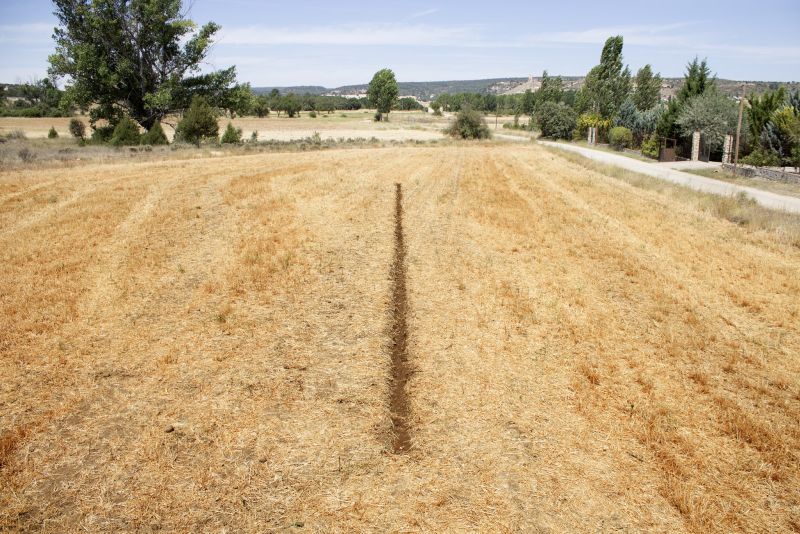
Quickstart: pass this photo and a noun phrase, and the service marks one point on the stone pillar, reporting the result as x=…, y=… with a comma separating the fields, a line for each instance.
x=727, y=149
x=592, y=136
x=695, y=146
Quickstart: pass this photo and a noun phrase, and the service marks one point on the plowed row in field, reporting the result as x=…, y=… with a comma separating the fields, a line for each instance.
x=207, y=344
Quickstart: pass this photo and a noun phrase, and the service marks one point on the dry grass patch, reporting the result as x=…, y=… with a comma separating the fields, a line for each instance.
x=740, y=209
x=204, y=345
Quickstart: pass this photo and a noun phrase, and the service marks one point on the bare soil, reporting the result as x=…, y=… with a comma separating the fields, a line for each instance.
x=399, y=333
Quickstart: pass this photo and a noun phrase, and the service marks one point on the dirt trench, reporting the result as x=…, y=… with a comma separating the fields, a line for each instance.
x=399, y=334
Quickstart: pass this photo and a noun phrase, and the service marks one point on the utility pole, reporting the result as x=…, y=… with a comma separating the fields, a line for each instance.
x=738, y=133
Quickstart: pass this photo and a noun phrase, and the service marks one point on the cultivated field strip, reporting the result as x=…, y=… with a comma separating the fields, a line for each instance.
x=213, y=344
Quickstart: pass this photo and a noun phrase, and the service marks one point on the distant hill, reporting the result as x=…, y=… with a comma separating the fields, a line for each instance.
x=427, y=90
x=420, y=90
x=669, y=86
x=296, y=89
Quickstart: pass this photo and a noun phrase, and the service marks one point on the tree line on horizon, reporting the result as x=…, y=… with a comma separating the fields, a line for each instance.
x=117, y=72
x=628, y=112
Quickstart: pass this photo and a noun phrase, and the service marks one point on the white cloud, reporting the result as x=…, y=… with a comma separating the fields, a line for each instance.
x=26, y=33
x=654, y=35
x=678, y=36
x=352, y=35
x=423, y=13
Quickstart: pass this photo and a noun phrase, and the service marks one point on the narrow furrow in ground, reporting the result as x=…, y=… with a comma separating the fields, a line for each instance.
x=399, y=333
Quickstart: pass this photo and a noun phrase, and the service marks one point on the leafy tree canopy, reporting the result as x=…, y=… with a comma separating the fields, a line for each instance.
x=711, y=113
x=648, y=89
x=383, y=91
x=556, y=120
x=762, y=107
x=696, y=81
x=133, y=58
x=607, y=85
x=551, y=90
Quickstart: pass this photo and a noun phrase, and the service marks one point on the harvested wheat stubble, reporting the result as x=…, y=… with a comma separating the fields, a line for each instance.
x=589, y=356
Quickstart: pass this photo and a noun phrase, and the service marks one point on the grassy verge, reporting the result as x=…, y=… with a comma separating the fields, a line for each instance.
x=740, y=209
x=606, y=148
x=782, y=188
x=19, y=152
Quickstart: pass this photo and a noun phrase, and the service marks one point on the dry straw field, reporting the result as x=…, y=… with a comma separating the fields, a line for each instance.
x=208, y=345
x=403, y=125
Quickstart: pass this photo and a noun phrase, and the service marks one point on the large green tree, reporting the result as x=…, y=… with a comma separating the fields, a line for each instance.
x=551, y=90
x=647, y=93
x=762, y=108
x=383, y=91
x=712, y=113
x=528, y=104
x=607, y=85
x=134, y=57
x=696, y=81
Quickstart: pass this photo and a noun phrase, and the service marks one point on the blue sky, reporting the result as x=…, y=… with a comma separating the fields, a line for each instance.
x=344, y=42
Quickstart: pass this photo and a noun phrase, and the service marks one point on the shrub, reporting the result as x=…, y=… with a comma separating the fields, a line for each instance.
x=650, y=146
x=52, y=134
x=556, y=120
x=469, y=124
x=620, y=137
x=77, y=128
x=102, y=134
x=200, y=122
x=232, y=135
x=15, y=134
x=254, y=136
x=761, y=157
x=155, y=136
x=313, y=114
x=126, y=133
x=592, y=120
x=26, y=154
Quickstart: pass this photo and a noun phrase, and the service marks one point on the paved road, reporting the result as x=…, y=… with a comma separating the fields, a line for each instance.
x=709, y=185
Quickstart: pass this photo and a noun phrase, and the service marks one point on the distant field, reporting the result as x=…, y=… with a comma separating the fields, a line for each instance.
x=206, y=345
x=402, y=126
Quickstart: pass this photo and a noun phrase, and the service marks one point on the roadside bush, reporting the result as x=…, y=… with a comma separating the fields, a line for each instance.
x=591, y=120
x=254, y=136
x=313, y=114
x=761, y=157
x=200, y=122
x=52, y=134
x=126, y=133
x=650, y=146
x=77, y=128
x=469, y=124
x=155, y=136
x=620, y=137
x=556, y=120
x=232, y=135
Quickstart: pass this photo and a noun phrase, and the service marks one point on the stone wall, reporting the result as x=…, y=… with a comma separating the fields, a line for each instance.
x=769, y=174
